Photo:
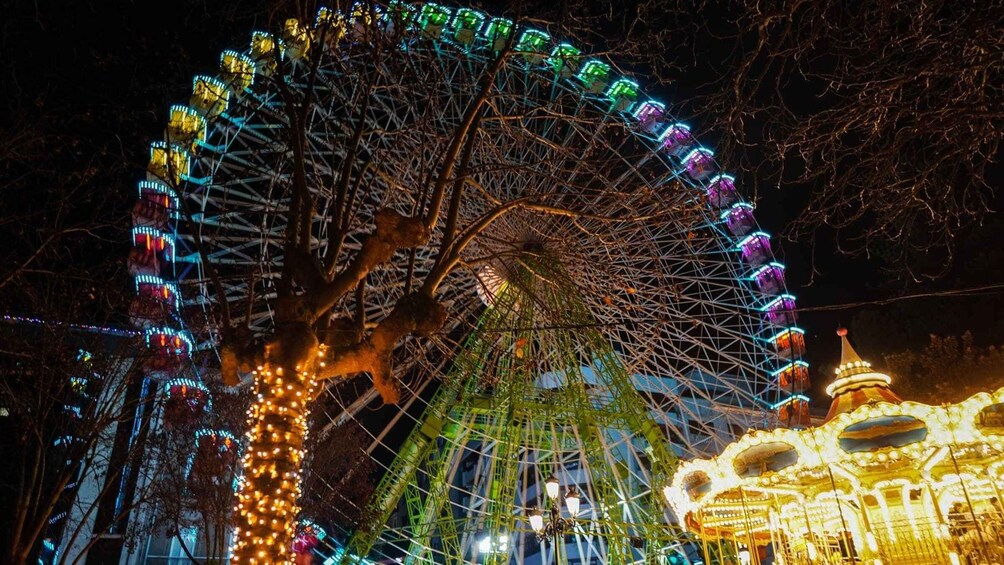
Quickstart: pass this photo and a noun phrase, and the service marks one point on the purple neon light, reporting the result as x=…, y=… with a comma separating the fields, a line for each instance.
x=770, y=280
x=740, y=220
x=649, y=115
x=677, y=139
x=756, y=250
x=700, y=164
x=722, y=191
x=782, y=312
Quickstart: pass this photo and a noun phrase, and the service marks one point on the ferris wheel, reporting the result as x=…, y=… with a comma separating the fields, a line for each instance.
x=627, y=312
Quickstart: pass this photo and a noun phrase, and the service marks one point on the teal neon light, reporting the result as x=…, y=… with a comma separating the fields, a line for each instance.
x=789, y=400
x=782, y=333
x=789, y=367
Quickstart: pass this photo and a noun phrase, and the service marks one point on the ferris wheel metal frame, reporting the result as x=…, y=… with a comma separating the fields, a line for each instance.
x=225, y=130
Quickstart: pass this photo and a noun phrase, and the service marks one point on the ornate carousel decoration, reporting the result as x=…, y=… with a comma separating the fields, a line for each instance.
x=880, y=481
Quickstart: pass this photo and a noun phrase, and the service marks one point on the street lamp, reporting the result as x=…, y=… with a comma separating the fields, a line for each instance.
x=556, y=525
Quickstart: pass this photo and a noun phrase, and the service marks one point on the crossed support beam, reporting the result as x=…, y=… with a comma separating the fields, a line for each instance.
x=518, y=426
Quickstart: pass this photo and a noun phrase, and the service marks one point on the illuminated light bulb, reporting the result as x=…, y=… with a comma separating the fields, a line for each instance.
x=536, y=520
x=572, y=502
x=871, y=541
x=811, y=550
x=552, y=486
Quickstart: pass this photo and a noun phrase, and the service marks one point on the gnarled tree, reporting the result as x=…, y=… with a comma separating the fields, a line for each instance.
x=885, y=116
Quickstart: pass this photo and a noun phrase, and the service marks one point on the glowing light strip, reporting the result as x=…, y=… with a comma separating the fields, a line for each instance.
x=619, y=84
x=157, y=281
x=168, y=332
x=751, y=237
x=365, y=10
x=214, y=86
x=464, y=16
x=170, y=149
x=784, y=332
x=239, y=57
x=857, y=379
x=565, y=50
x=646, y=105
x=736, y=206
x=765, y=268
x=777, y=301
x=789, y=367
x=700, y=151
x=673, y=128
x=498, y=28
x=153, y=232
x=789, y=400
x=83, y=327
x=160, y=188
x=430, y=10
x=190, y=112
x=532, y=34
x=591, y=66
x=852, y=365
x=185, y=382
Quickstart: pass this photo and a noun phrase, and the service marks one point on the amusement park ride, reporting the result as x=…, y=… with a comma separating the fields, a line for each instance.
x=647, y=322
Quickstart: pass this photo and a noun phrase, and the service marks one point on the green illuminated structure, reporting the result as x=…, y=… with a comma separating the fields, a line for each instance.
x=522, y=403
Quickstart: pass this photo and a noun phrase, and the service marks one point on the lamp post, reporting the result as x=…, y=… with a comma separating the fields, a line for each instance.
x=555, y=526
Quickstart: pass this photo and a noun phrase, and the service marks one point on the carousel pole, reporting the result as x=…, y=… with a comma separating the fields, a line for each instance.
x=941, y=517
x=965, y=493
x=997, y=490
x=704, y=538
x=808, y=528
x=784, y=528
x=840, y=511
x=721, y=552
x=772, y=528
x=754, y=554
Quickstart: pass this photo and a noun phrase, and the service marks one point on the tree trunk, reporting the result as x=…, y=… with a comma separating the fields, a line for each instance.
x=268, y=500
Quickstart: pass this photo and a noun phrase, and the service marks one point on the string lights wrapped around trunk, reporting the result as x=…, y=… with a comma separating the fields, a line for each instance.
x=267, y=503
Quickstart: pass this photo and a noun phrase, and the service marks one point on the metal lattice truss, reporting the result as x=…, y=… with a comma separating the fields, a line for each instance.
x=518, y=405
x=667, y=337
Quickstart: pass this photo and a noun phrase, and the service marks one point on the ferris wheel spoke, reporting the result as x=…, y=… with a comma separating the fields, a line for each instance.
x=626, y=265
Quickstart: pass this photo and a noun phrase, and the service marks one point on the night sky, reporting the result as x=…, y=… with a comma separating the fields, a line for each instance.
x=102, y=74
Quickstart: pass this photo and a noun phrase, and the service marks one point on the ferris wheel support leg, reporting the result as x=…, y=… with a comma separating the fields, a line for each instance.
x=421, y=440
x=505, y=472
x=610, y=482
x=425, y=516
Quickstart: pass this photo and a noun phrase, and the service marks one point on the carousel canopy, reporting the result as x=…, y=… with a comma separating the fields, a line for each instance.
x=878, y=473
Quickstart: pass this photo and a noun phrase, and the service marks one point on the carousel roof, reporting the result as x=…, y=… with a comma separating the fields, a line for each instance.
x=870, y=438
x=856, y=383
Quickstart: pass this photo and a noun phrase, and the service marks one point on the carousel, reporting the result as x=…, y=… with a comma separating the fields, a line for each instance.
x=880, y=481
